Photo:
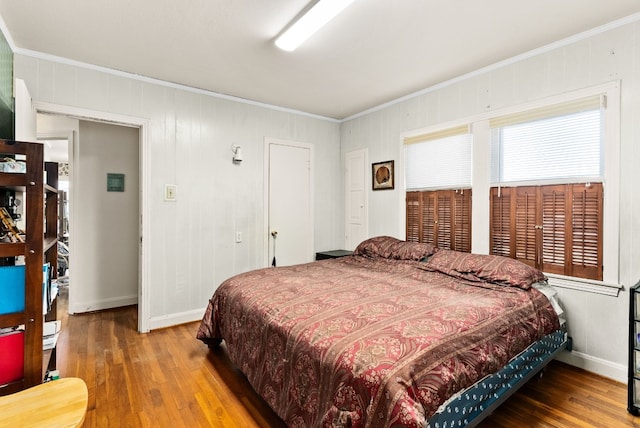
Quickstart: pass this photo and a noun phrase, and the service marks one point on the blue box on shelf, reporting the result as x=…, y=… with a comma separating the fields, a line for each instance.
x=12, y=285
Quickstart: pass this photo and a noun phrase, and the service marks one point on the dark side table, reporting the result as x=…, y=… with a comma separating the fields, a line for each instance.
x=333, y=254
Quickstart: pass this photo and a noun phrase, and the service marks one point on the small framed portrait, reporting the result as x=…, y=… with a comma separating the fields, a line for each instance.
x=382, y=175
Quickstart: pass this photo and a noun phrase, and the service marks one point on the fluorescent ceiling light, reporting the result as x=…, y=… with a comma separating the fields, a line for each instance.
x=315, y=18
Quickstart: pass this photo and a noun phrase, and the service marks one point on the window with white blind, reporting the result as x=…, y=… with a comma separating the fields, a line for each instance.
x=556, y=143
x=556, y=227
x=438, y=160
x=438, y=181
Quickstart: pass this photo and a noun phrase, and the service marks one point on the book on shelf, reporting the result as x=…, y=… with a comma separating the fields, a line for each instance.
x=8, y=227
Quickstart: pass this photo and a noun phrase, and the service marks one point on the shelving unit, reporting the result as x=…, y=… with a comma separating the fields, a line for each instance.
x=40, y=246
x=633, y=403
x=50, y=249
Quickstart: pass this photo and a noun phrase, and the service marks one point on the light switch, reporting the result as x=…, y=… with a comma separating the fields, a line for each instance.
x=238, y=237
x=169, y=192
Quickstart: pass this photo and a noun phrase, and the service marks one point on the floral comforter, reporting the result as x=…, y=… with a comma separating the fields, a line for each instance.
x=370, y=341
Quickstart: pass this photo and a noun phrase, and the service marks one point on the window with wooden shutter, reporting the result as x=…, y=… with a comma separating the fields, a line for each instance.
x=556, y=228
x=436, y=164
x=440, y=217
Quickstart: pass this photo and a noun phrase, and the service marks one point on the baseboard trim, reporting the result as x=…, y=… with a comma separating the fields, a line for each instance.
x=608, y=369
x=175, y=319
x=100, y=305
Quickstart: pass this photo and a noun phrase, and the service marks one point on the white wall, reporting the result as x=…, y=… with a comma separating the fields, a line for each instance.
x=192, y=240
x=597, y=323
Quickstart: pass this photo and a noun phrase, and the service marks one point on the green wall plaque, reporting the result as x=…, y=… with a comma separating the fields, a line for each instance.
x=115, y=182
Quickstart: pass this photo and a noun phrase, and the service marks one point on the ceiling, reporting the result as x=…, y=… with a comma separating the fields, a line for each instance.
x=375, y=51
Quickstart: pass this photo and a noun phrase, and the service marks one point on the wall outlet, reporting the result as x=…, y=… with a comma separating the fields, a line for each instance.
x=238, y=237
x=170, y=192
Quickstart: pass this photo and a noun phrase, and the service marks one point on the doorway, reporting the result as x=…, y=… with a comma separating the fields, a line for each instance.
x=105, y=226
x=139, y=292
x=289, y=196
x=104, y=242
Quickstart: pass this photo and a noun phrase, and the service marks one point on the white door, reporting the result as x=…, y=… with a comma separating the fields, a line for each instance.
x=356, y=198
x=289, y=200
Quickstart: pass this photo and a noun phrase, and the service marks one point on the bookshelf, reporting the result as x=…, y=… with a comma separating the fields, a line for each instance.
x=22, y=326
x=633, y=393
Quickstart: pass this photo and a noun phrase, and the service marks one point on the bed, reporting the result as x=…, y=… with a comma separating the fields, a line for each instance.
x=398, y=334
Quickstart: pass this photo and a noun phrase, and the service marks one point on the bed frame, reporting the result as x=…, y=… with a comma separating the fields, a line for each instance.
x=471, y=406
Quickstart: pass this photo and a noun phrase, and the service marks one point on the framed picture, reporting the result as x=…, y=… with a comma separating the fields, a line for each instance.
x=382, y=175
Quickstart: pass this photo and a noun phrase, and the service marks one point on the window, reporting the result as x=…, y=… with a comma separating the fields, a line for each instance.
x=438, y=181
x=557, y=228
x=551, y=143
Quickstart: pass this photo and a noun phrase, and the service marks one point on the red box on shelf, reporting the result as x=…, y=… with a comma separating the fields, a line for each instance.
x=11, y=356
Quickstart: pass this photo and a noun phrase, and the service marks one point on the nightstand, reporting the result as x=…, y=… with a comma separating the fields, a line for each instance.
x=334, y=254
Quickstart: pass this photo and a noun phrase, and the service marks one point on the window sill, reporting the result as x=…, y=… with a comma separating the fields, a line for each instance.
x=586, y=285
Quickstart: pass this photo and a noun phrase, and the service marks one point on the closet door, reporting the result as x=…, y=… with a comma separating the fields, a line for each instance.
x=290, y=206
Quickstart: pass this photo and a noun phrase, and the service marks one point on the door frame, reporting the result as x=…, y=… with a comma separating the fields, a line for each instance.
x=143, y=125
x=267, y=233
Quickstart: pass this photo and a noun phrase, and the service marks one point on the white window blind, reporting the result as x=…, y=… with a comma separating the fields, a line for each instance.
x=439, y=160
x=562, y=142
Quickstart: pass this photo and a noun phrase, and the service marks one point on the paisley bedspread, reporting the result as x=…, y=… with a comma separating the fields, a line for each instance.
x=369, y=341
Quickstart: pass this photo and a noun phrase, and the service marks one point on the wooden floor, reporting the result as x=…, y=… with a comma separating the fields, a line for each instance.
x=167, y=378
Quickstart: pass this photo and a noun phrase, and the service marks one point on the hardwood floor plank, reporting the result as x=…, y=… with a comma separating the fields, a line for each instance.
x=167, y=378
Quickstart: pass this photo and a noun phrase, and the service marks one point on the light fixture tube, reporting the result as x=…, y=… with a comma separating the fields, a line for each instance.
x=315, y=18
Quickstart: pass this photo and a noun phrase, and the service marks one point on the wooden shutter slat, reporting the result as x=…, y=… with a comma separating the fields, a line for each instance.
x=444, y=221
x=413, y=216
x=586, y=225
x=500, y=229
x=461, y=237
x=428, y=212
x=525, y=225
x=554, y=218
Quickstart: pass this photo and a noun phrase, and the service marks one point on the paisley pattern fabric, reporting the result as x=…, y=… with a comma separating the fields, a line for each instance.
x=479, y=267
x=392, y=248
x=367, y=341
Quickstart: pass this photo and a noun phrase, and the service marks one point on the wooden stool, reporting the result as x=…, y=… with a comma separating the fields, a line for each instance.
x=59, y=403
